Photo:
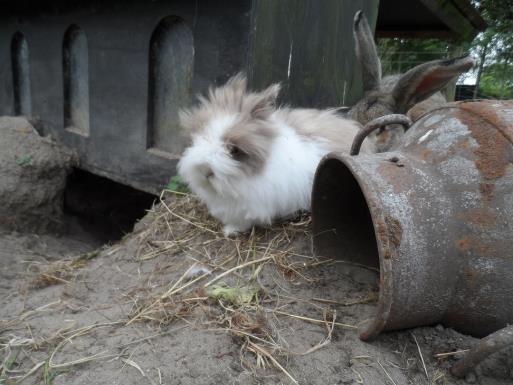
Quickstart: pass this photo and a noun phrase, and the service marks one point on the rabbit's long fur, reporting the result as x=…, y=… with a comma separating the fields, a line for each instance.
x=251, y=162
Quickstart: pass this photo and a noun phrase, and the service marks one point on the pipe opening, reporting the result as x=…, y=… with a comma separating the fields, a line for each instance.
x=342, y=223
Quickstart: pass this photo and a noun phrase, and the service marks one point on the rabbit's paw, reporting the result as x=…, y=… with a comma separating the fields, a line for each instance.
x=231, y=230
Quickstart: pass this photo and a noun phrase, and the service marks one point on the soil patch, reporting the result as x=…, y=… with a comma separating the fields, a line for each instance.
x=176, y=302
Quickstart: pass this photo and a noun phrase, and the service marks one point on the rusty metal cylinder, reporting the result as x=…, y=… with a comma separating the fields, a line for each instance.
x=435, y=216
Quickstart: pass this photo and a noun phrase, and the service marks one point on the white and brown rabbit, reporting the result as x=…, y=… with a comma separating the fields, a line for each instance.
x=413, y=93
x=251, y=162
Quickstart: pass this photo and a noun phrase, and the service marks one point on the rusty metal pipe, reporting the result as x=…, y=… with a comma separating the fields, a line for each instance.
x=435, y=216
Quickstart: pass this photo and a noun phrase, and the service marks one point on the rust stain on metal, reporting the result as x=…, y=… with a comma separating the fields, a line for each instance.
x=494, y=152
x=395, y=230
x=463, y=244
x=468, y=243
x=486, y=190
x=463, y=144
x=493, y=114
x=479, y=216
x=383, y=238
x=389, y=232
x=392, y=172
x=426, y=154
x=459, y=146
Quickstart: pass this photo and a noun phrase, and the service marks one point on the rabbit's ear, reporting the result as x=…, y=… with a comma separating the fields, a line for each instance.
x=238, y=82
x=366, y=53
x=424, y=80
x=263, y=103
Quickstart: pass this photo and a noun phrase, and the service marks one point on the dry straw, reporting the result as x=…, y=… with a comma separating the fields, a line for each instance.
x=216, y=276
x=215, y=260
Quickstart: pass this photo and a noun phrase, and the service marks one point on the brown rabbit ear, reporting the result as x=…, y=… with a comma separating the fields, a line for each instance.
x=263, y=103
x=366, y=53
x=228, y=96
x=424, y=80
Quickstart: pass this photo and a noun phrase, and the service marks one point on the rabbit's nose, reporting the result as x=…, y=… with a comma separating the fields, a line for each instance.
x=206, y=170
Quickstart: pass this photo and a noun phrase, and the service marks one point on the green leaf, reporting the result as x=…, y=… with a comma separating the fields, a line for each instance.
x=235, y=295
x=48, y=374
x=177, y=184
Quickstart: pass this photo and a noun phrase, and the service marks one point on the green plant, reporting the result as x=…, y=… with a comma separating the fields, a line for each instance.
x=177, y=184
x=236, y=295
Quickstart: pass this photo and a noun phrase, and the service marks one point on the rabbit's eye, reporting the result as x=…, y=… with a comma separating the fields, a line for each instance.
x=235, y=152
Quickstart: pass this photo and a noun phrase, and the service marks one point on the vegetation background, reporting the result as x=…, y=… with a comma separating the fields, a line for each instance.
x=492, y=48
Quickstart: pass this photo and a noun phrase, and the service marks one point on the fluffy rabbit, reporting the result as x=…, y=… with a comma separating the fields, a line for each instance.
x=251, y=162
x=413, y=93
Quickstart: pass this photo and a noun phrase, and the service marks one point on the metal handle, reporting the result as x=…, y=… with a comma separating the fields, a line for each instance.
x=488, y=345
x=374, y=125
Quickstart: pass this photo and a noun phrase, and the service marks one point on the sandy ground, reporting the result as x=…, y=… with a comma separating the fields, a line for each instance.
x=85, y=317
x=145, y=310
